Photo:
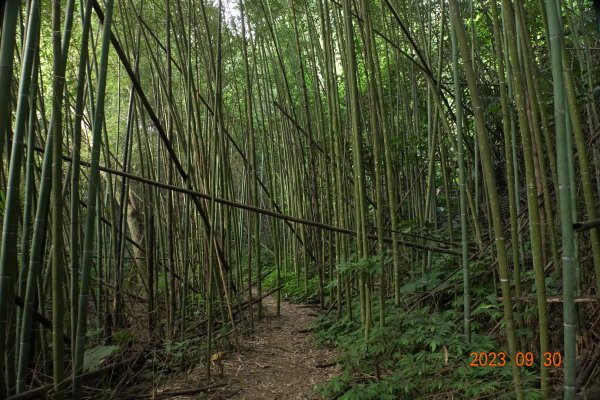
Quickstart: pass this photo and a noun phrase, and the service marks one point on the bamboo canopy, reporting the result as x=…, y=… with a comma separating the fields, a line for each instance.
x=175, y=173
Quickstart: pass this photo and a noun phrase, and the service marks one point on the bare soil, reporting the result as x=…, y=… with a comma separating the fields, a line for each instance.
x=279, y=362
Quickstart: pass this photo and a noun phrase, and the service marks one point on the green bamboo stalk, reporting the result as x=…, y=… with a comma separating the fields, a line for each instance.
x=462, y=185
x=359, y=185
x=459, y=29
x=56, y=209
x=536, y=112
x=28, y=205
x=39, y=236
x=7, y=48
x=75, y=177
x=584, y=167
x=565, y=184
x=90, y=221
x=36, y=258
x=8, y=257
x=507, y=127
x=519, y=87
x=377, y=125
x=253, y=223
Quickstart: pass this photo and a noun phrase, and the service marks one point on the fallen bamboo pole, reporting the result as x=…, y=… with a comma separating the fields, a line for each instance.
x=259, y=210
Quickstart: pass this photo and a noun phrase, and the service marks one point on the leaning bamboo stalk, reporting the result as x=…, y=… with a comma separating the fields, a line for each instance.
x=162, y=134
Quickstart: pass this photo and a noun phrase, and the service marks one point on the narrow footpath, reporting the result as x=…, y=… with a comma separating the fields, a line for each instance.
x=279, y=363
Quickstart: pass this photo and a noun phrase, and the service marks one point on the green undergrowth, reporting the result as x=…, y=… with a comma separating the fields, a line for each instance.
x=294, y=288
x=420, y=353
x=417, y=355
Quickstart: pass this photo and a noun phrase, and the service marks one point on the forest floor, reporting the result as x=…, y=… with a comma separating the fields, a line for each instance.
x=279, y=362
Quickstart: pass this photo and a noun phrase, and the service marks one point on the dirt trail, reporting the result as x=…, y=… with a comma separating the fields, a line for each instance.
x=279, y=363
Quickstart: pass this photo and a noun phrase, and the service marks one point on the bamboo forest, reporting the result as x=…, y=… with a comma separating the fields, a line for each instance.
x=300, y=199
